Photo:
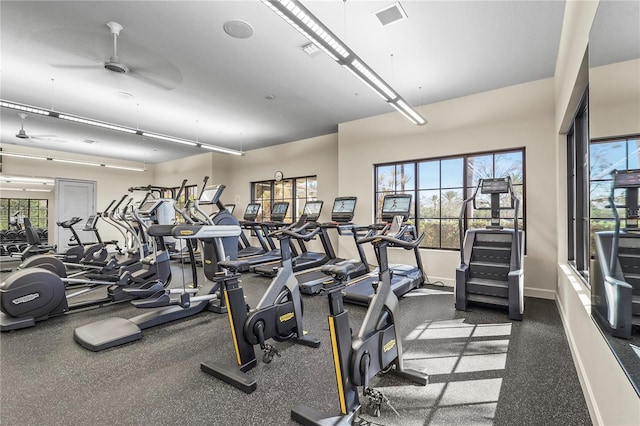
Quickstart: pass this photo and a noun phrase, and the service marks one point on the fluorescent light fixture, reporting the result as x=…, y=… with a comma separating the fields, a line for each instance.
x=68, y=161
x=408, y=112
x=169, y=138
x=24, y=108
x=96, y=123
x=133, y=169
x=25, y=179
x=110, y=126
x=82, y=163
x=221, y=149
x=300, y=18
x=31, y=157
x=26, y=189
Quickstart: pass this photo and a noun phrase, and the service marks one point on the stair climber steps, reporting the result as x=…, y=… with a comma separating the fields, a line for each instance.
x=491, y=254
x=488, y=287
x=635, y=306
x=488, y=300
x=489, y=270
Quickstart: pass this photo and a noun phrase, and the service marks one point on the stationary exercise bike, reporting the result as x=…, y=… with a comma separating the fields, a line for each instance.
x=277, y=316
x=377, y=348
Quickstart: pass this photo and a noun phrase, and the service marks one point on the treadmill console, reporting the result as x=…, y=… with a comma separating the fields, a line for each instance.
x=211, y=194
x=251, y=212
x=343, y=209
x=626, y=178
x=312, y=209
x=279, y=211
x=396, y=205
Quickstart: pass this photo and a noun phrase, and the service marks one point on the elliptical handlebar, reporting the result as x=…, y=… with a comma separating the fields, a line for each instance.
x=397, y=242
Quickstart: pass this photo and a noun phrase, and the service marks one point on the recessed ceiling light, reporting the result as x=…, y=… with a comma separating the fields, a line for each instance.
x=270, y=97
x=89, y=141
x=238, y=29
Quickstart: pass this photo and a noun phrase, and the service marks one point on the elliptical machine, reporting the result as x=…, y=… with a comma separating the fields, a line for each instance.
x=377, y=348
x=278, y=316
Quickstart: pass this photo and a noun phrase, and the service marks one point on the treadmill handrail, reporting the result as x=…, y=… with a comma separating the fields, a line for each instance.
x=393, y=240
x=298, y=236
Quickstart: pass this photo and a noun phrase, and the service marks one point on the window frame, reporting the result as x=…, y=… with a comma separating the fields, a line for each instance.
x=466, y=188
x=285, y=190
x=37, y=220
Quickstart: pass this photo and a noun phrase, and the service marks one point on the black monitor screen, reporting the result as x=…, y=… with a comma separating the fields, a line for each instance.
x=396, y=205
x=344, y=205
x=627, y=179
x=312, y=209
x=495, y=186
x=343, y=209
x=279, y=211
x=252, y=209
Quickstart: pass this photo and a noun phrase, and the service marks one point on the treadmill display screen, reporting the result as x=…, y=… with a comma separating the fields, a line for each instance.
x=279, y=211
x=251, y=213
x=343, y=209
x=312, y=209
x=396, y=205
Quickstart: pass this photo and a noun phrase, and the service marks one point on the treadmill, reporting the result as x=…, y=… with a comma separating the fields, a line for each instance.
x=306, y=259
x=404, y=278
x=249, y=223
x=278, y=213
x=311, y=281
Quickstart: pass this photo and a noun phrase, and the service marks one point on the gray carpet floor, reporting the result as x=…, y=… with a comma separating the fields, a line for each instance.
x=484, y=369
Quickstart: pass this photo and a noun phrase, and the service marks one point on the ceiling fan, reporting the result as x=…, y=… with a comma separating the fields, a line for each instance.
x=22, y=134
x=142, y=65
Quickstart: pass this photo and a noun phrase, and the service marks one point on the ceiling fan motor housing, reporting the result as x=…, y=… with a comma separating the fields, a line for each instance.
x=116, y=66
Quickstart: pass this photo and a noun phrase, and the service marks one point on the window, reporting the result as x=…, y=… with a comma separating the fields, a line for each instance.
x=604, y=157
x=35, y=210
x=577, y=190
x=297, y=191
x=440, y=185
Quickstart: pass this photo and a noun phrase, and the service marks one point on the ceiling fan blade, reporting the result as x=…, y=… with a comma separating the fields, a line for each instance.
x=154, y=81
x=78, y=67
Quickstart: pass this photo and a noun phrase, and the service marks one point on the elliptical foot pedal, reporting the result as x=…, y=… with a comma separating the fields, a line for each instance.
x=231, y=375
x=106, y=334
x=8, y=323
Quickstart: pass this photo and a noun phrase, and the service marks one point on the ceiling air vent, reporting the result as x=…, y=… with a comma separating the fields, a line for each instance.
x=391, y=14
x=310, y=48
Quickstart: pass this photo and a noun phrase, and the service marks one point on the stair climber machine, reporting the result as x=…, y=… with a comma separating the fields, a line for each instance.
x=615, y=292
x=218, y=239
x=490, y=271
x=376, y=349
x=278, y=214
x=404, y=278
x=278, y=316
x=311, y=281
x=306, y=259
x=249, y=223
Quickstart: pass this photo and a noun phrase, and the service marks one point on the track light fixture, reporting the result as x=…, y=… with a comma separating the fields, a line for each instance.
x=103, y=124
x=300, y=18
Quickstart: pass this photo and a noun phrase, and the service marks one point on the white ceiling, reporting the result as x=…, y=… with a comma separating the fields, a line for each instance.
x=212, y=87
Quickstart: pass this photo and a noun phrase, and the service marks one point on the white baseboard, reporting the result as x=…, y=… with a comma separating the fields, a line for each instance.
x=580, y=369
x=540, y=293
